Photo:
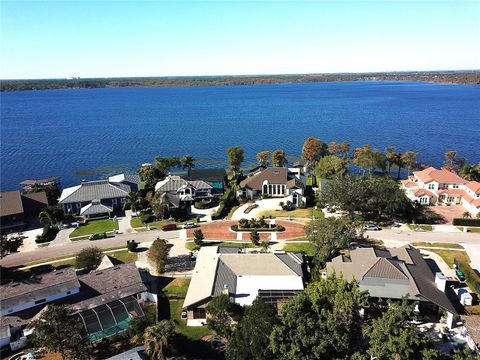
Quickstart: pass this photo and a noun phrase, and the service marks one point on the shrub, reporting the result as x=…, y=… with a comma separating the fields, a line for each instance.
x=466, y=222
x=48, y=234
x=198, y=237
x=244, y=223
x=279, y=228
x=88, y=258
x=255, y=237
x=132, y=245
x=145, y=218
x=234, y=227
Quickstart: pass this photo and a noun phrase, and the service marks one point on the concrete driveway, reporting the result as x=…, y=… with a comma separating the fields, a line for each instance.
x=473, y=252
x=263, y=204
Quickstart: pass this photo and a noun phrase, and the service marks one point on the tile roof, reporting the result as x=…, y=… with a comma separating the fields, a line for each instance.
x=93, y=190
x=422, y=192
x=274, y=175
x=474, y=186
x=10, y=203
x=441, y=176
x=38, y=287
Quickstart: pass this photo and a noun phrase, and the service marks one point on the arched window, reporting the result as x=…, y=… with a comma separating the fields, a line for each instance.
x=265, y=189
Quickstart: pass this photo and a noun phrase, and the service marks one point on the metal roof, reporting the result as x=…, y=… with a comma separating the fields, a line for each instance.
x=95, y=208
x=174, y=183
x=93, y=190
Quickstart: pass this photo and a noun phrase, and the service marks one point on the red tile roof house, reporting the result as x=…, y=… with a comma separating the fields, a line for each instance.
x=432, y=186
x=276, y=182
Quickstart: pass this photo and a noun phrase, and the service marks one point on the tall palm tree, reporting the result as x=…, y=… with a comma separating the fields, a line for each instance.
x=466, y=215
x=188, y=162
x=409, y=159
x=157, y=340
x=132, y=202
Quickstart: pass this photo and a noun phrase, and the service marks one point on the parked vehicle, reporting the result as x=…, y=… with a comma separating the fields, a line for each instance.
x=189, y=225
x=98, y=236
x=371, y=227
x=169, y=227
x=459, y=274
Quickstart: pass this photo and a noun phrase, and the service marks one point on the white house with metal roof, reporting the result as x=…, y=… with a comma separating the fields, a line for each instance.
x=94, y=198
x=243, y=276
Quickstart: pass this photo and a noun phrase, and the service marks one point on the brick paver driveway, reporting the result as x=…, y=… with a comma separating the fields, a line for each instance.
x=220, y=230
x=449, y=212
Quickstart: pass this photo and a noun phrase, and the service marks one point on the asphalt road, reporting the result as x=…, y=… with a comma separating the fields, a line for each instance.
x=53, y=251
x=427, y=236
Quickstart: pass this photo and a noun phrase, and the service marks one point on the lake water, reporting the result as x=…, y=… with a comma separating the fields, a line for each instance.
x=90, y=133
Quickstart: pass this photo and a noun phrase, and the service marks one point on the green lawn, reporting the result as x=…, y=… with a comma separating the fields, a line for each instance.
x=191, y=332
x=470, y=229
x=305, y=247
x=177, y=287
x=155, y=225
x=471, y=278
x=190, y=245
x=438, y=244
x=95, y=226
x=422, y=227
x=297, y=213
x=124, y=256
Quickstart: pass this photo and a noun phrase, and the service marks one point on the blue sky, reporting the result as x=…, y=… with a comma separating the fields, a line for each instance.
x=41, y=39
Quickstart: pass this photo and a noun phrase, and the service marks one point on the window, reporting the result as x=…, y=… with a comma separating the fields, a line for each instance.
x=69, y=292
x=431, y=186
x=455, y=186
x=40, y=301
x=199, y=313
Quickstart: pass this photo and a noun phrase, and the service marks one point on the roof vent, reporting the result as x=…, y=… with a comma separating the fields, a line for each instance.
x=99, y=273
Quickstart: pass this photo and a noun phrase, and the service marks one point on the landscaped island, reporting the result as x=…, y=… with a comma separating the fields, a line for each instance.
x=450, y=77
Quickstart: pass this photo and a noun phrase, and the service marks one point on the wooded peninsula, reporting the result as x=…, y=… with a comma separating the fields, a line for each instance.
x=447, y=77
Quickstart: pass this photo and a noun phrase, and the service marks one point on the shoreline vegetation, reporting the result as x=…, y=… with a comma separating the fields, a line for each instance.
x=447, y=77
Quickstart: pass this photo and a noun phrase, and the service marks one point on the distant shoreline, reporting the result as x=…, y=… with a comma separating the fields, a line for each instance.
x=446, y=77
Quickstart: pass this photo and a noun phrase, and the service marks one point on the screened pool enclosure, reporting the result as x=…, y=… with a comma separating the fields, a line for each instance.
x=111, y=318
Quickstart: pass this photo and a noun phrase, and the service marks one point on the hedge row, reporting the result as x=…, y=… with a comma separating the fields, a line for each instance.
x=466, y=222
x=227, y=201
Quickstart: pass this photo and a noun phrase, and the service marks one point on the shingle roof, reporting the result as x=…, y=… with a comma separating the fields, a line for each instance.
x=95, y=208
x=38, y=287
x=384, y=268
x=404, y=263
x=103, y=286
x=93, y=190
x=274, y=175
x=10, y=203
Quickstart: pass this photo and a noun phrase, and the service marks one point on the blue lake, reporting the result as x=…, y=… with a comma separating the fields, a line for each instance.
x=90, y=133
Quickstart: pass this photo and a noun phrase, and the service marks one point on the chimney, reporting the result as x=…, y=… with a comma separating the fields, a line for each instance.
x=440, y=281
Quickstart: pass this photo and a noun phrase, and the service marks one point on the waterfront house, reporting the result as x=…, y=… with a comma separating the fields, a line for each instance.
x=131, y=180
x=432, y=186
x=183, y=193
x=94, y=198
x=279, y=182
x=242, y=276
x=394, y=274
x=215, y=177
x=17, y=210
